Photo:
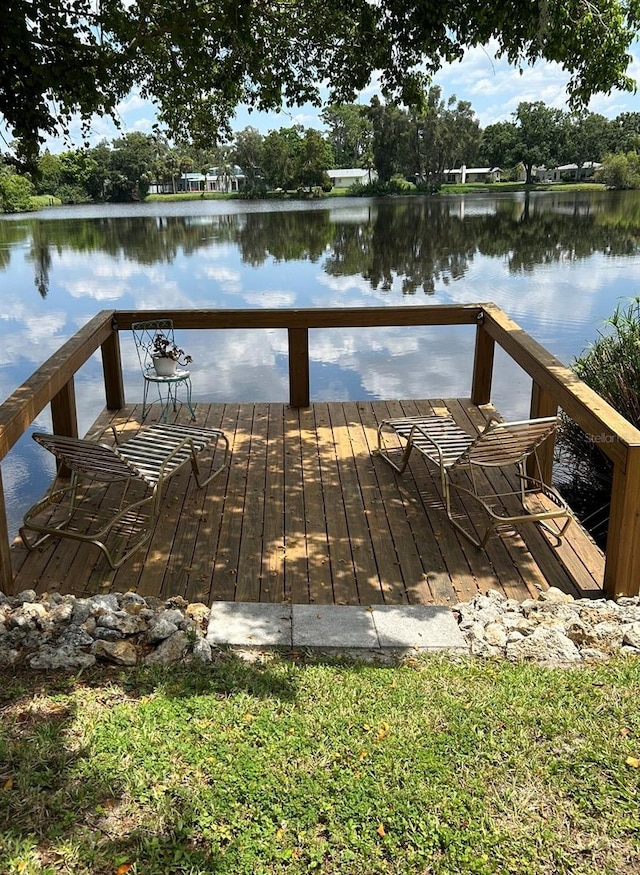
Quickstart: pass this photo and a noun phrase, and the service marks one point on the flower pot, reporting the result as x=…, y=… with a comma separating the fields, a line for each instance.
x=164, y=367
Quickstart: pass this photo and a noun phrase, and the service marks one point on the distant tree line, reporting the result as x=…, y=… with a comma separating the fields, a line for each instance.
x=416, y=144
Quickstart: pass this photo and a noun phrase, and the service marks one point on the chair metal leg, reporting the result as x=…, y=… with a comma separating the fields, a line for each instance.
x=189, y=402
x=196, y=468
x=382, y=451
x=168, y=398
x=145, y=407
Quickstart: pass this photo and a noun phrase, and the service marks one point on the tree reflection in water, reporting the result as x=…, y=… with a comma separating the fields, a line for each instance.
x=418, y=241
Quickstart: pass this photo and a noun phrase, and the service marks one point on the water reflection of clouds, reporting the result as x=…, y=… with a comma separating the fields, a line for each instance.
x=229, y=279
x=251, y=365
x=108, y=279
x=236, y=366
x=398, y=363
x=554, y=306
x=270, y=298
x=343, y=284
x=34, y=339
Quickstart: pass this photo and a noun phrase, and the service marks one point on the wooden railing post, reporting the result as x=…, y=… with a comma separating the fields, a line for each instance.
x=65, y=417
x=112, y=370
x=63, y=410
x=299, y=394
x=542, y=404
x=482, y=366
x=6, y=571
x=622, y=562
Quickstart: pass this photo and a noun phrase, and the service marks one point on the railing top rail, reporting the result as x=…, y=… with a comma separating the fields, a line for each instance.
x=335, y=317
x=580, y=402
x=22, y=406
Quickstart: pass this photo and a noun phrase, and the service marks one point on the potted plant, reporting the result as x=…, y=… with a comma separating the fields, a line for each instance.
x=167, y=356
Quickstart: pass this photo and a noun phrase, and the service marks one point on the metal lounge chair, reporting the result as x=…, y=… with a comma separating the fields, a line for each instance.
x=87, y=507
x=167, y=385
x=498, y=445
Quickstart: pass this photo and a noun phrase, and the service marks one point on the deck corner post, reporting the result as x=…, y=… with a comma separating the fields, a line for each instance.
x=622, y=560
x=482, y=366
x=299, y=394
x=112, y=370
x=542, y=405
x=64, y=416
x=6, y=570
x=63, y=410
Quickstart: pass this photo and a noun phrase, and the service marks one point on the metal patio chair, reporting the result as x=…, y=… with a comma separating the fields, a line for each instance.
x=167, y=386
x=87, y=507
x=499, y=445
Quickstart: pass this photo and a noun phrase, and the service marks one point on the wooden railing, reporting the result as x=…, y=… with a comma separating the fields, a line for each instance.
x=554, y=386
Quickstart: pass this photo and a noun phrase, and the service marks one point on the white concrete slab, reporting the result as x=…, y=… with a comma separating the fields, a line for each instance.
x=345, y=627
x=249, y=624
x=417, y=627
x=350, y=629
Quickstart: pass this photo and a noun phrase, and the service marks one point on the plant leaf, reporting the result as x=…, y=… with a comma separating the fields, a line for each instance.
x=384, y=731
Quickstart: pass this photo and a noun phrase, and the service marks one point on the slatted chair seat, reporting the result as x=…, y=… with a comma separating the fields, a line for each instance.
x=499, y=445
x=148, y=461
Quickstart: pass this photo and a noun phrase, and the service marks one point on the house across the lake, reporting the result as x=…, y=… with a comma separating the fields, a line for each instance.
x=573, y=173
x=563, y=173
x=465, y=174
x=216, y=179
x=346, y=177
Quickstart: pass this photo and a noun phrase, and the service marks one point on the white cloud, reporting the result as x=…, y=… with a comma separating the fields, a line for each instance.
x=495, y=88
x=133, y=103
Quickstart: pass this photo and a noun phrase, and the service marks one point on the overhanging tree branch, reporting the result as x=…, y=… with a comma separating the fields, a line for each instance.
x=197, y=59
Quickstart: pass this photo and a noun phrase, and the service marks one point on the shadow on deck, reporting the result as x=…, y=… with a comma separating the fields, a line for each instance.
x=305, y=514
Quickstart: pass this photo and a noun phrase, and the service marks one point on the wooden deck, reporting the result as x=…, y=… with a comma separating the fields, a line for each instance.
x=305, y=514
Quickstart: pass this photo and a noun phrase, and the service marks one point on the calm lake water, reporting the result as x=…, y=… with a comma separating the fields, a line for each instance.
x=556, y=262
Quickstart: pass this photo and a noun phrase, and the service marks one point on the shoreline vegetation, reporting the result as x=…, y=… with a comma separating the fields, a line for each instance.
x=610, y=365
x=409, y=190
x=39, y=202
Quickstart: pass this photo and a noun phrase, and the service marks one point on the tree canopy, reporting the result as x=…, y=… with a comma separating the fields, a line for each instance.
x=199, y=59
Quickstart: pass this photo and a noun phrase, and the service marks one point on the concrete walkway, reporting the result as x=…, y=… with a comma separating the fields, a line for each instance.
x=335, y=628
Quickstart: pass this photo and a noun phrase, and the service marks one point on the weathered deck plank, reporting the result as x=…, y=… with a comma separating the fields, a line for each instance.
x=296, y=560
x=306, y=514
x=315, y=520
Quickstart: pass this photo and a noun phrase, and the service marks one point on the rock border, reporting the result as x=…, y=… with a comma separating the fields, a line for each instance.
x=55, y=631
x=553, y=628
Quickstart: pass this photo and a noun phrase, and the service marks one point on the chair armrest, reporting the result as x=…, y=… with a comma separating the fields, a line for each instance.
x=97, y=435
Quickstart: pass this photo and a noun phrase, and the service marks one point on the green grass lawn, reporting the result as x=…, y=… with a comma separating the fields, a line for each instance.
x=192, y=196
x=38, y=201
x=459, y=188
x=294, y=766
x=452, y=188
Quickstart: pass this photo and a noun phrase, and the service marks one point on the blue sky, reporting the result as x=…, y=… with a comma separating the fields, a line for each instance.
x=493, y=87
